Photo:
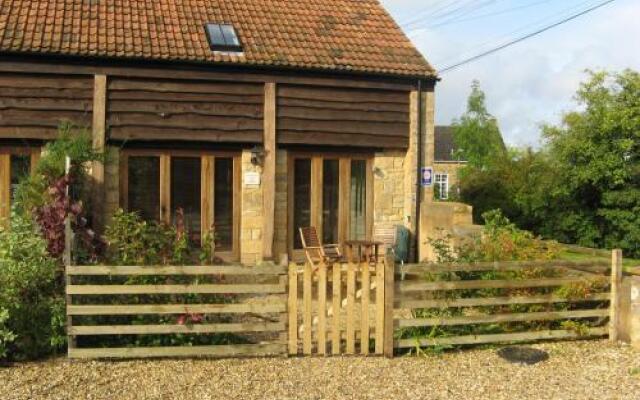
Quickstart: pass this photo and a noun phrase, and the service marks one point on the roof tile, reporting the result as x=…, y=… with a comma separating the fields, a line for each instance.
x=354, y=35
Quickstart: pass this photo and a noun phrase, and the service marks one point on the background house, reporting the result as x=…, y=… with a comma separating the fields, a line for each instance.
x=255, y=117
x=447, y=162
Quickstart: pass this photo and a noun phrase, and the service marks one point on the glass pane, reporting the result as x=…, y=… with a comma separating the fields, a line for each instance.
x=358, y=200
x=215, y=35
x=20, y=168
x=223, y=203
x=330, y=193
x=230, y=36
x=185, y=194
x=144, y=187
x=301, y=198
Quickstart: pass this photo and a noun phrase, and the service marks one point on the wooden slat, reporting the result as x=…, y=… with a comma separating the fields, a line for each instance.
x=182, y=351
x=175, y=289
x=103, y=270
x=163, y=86
x=343, y=95
x=170, y=106
x=25, y=81
x=336, y=307
x=168, y=98
x=271, y=307
x=389, y=294
x=44, y=104
x=496, y=318
x=336, y=114
x=351, y=306
x=345, y=127
x=194, y=122
x=364, y=318
x=498, y=338
x=408, y=286
x=292, y=309
x=170, y=329
x=379, y=309
x=414, y=269
x=322, y=309
x=362, y=139
x=306, y=309
x=209, y=134
x=616, y=283
x=497, y=301
x=388, y=108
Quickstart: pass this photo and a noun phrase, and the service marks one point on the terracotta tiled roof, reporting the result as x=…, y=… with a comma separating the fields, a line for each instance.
x=349, y=35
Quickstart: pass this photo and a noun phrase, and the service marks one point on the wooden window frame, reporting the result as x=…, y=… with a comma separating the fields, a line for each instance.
x=316, y=206
x=207, y=193
x=5, y=173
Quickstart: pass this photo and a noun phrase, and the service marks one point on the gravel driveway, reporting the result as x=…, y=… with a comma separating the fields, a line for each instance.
x=575, y=370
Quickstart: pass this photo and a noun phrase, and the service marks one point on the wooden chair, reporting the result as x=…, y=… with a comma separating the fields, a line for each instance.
x=315, y=251
x=388, y=236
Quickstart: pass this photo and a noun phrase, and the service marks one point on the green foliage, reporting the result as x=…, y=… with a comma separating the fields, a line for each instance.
x=28, y=287
x=6, y=336
x=476, y=134
x=583, y=185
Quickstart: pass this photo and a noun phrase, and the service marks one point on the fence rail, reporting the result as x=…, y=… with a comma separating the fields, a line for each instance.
x=248, y=301
x=345, y=308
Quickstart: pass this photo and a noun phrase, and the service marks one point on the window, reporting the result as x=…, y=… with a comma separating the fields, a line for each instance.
x=442, y=186
x=301, y=198
x=205, y=186
x=16, y=163
x=358, y=200
x=20, y=169
x=223, y=37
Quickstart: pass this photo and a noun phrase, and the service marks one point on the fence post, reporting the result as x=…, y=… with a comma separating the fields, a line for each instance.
x=389, y=282
x=292, y=309
x=616, y=282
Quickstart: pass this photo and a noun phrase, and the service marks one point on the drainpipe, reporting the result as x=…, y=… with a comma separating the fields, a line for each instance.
x=418, y=166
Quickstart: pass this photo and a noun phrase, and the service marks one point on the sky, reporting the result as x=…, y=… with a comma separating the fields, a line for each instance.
x=532, y=82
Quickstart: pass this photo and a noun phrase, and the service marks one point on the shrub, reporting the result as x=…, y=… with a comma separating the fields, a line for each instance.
x=28, y=287
x=6, y=336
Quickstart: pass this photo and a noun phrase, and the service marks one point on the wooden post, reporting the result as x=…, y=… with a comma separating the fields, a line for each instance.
x=98, y=134
x=307, y=311
x=389, y=282
x=364, y=319
x=380, y=308
x=322, y=308
x=207, y=199
x=616, y=282
x=351, y=305
x=269, y=170
x=165, y=188
x=293, y=309
x=68, y=260
x=336, y=306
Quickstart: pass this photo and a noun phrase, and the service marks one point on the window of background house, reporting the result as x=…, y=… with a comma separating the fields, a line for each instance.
x=301, y=198
x=144, y=187
x=20, y=168
x=358, y=199
x=442, y=186
x=185, y=194
x=223, y=203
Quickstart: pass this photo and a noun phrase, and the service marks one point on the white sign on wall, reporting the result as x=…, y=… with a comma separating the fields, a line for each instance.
x=252, y=179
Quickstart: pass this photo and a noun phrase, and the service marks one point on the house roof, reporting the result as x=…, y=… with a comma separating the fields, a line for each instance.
x=444, y=144
x=334, y=35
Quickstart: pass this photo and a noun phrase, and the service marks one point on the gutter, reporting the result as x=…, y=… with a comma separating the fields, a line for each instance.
x=418, y=166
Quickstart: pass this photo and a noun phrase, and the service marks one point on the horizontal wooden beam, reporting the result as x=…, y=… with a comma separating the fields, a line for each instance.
x=181, y=351
x=175, y=289
x=169, y=329
x=498, y=301
x=410, y=286
x=271, y=307
x=498, y=338
x=496, y=266
x=98, y=270
x=497, y=318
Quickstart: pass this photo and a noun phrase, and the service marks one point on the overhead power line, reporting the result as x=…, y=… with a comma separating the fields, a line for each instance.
x=523, y=38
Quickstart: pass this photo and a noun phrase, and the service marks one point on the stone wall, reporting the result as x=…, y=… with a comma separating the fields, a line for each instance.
x=251, y=215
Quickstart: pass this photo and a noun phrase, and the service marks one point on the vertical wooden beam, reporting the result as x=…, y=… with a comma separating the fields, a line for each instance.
x=336, y=306
x=237, y=209
x=307, y=315
x=380, y=310
x=165, y=188
x=322, y=308
x=207, y=177
x=98, y=134
x=344, y=194
x=316, y=194
x=269, y=170
x=293, y=309
x=616, y=282
x=5, y=186
x=389, y=271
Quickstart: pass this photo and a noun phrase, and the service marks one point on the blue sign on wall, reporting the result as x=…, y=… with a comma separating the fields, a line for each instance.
x=426, y=176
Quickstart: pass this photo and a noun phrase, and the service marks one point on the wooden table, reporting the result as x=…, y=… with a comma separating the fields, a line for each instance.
x=363, y=249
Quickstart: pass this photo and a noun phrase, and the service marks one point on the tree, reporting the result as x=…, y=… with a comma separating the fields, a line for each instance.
x=476, y=134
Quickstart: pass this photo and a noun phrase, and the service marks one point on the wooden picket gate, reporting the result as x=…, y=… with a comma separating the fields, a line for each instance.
x=336, y=309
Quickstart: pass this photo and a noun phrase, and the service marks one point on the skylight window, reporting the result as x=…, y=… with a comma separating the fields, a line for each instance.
x=223, y=37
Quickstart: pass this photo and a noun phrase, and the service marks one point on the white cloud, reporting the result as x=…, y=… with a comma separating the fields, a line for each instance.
x=535, y=81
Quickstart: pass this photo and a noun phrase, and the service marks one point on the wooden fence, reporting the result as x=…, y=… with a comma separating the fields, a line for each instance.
x=344, y=308
x=442, y=297
x=247, y=303
x=336, y=309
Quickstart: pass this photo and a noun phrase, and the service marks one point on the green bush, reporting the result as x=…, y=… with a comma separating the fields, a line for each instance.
x=6, y=336
x=28, y=288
